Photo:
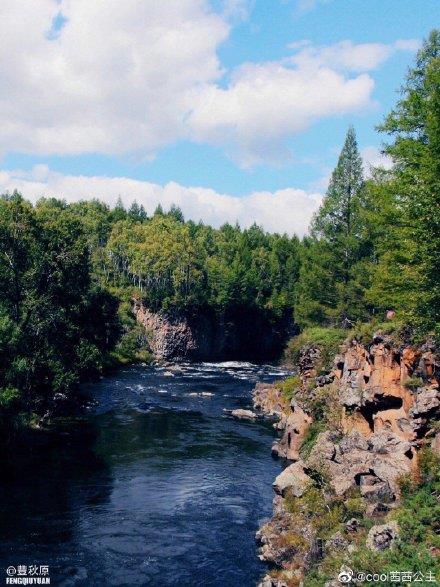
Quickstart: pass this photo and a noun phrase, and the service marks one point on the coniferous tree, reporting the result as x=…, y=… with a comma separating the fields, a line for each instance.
x=158, y=210
x=412, y=265
x=328, y=291
x=119, y=212
x=137, y=212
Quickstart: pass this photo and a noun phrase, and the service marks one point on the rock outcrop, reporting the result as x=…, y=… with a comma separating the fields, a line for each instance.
x=293, y=479
x=382, y=537
x=243, y=414
x=378, y=402
x=235, y=335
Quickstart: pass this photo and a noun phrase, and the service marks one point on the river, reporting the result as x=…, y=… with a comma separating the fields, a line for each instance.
x=160, y=487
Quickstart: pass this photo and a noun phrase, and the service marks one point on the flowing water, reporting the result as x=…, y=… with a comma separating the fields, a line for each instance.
x=160, y=486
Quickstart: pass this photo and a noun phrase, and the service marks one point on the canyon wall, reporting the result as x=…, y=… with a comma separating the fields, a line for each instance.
x=359, y=426
x=243, y=334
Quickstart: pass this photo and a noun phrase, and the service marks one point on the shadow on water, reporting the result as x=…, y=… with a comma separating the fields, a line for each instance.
x=42, y=494
x=159, y=488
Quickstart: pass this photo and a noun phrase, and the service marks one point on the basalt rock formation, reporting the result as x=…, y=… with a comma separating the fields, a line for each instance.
x=359, y=426
x=244, y=334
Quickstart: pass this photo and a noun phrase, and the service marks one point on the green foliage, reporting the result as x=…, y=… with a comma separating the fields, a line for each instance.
x=289, y=386
x=375, y=245
x=180, y=265
x=331, y=284
x=56, y=325
x=364, y=331
x=8, y=395
x=413, y=383
x=327, y=340
x=133, y=347
x=413, y=268
x=310, y=437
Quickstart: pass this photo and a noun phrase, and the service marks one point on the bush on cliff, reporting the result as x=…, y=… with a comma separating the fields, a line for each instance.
x=327, y=340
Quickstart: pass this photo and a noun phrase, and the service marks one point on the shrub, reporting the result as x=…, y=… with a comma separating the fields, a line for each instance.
x=328, y=340
x=7, y=397
x=310, y=437
x=413, y=383
x=289, y=386
x=132, y=347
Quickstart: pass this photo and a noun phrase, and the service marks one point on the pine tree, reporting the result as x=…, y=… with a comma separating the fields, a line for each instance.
x=158, y=211
x=176, y=213
x=336, y=246
x=133, y=211
x=119, y=212
x=414, y=125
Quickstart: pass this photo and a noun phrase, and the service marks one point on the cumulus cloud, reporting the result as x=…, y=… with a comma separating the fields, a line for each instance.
x=347, y=55
x=119, y=77
x=373, y=157
x=287, y=210
x=266, y=103
x=114, y=78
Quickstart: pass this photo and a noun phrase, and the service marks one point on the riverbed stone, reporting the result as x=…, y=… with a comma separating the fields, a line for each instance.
x=244, y=414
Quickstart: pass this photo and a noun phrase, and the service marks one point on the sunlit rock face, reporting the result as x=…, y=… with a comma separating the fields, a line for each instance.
x=385, y=398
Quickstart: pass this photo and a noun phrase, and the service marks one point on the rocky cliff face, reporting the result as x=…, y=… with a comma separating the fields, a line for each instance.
x=359, y=426
x=242, y=335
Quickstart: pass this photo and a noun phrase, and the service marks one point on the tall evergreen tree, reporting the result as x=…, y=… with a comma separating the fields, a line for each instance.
x=336, y=246
x=119, y=212
x=137, y=212
x=414, y=124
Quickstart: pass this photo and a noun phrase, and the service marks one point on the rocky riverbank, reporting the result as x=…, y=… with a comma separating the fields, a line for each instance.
x=350, y=434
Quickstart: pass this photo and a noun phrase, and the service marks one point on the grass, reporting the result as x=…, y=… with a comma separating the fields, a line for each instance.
x=363, y=332
x=310, y=437
x=289, y=386
x=413, y=383
x=327, y=340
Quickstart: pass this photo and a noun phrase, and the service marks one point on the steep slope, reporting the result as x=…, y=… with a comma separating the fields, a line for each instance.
x=355, y=435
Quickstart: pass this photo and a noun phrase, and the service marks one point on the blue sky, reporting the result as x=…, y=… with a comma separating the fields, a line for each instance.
x=81, y=106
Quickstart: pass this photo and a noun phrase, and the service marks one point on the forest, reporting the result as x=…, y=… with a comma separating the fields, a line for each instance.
x=69, y=272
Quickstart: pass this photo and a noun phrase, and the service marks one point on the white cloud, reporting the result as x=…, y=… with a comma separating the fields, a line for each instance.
x=347, y=55
x=308, y=5
x=115, y=79
x=288, y=210
x=373, y=157
x=132, y=76
x=267, y=103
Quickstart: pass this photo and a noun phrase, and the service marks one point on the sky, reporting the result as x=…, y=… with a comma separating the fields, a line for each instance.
x=235, y=110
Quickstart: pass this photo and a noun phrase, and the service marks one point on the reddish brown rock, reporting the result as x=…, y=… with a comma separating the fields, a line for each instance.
x=295, y=426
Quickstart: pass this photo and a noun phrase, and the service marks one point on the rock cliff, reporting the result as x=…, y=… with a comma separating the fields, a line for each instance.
x=243, y=334
x=353, y=432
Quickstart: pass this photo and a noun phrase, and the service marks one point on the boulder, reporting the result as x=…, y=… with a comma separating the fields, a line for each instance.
x=336, y=543
x=295, y=426
x=244, y=414
x=309, y=358
x=294, y=479
x=382, y=537
x=324, y=450
x=269, y=399
x=352, y=525
x=427, y=402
